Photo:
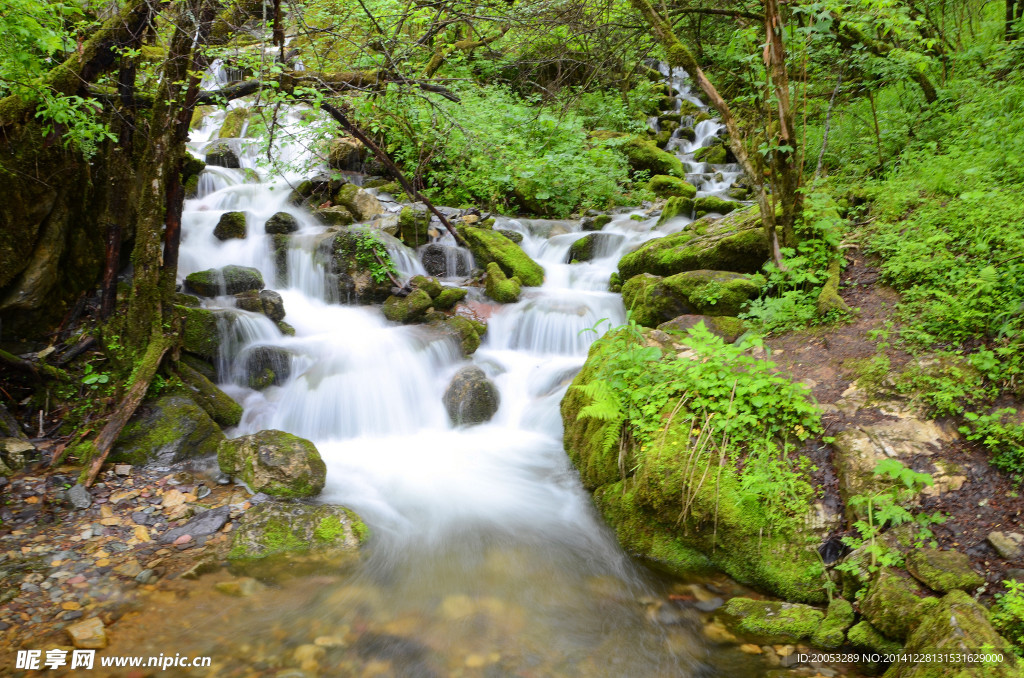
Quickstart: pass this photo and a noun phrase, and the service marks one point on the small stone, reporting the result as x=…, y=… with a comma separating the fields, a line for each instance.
x=103, y=562
x=174, y=498
x=106, y=511
x=89, y=634
x=1009, y=545
x=141, y=533
x=129, y=568
x=719, y=634
x=110, y=522
x=123, y=495
x=71, y=616
x=243, y=587
x=123, y=469
x=183, y=539
x=750, y=648
x=329, y=641
x=70, y=605
x=145, y=576
x=80, y=498
x=475, y=661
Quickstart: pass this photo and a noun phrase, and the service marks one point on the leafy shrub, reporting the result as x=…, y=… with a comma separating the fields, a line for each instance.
x=1007, y=614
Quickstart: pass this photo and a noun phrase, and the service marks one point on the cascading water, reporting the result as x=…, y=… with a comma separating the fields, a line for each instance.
x=486, y=551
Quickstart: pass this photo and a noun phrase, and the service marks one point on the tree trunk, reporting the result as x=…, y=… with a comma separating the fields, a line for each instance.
x=785, y=169
x=1010, y=33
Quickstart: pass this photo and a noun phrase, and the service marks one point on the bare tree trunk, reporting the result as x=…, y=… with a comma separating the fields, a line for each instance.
x=784, y=156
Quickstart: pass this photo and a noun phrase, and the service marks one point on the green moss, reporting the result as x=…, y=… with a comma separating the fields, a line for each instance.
x=666, y=186
x=201, y=330
x=407, y=309
x=865, y=636
x=489, y=246
x=169, y=429
x=328, y=529
x=359, y=528
x=234, y=123
x=829, y=300
x=713, y=155
x=502, y=289
x=654, y=300
x=230, y=226
x=943, y=571
x=449, y=297
x=771, y=621
x=733, y=243
x=892, y=604
x=219, y=405
x=712, y=203
x=414, y=226
x=602, y=220
x=468, y=332
x=227, y=280
x=832, y=631
x=645, y=155
x=429, y=285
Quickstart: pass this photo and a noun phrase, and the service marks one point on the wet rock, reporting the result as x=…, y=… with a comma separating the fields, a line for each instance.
x=227, y=280
x=711, y=204
x=729, y=329
x=414, y=229
x=206, y=523
x=79, y=497
x=234, y=123
x=514, y=236
x=14, y=454
x=230, y=226
x=388, y=223
x=866, y=637
x=281, y=223
x=956, y=627
x=360, y=203
x=219, y=405
x=489, y=246
x=346, y=154
x=593, y=246
x=275, y=539
x=595, y=223
x=502, y=289
x=449, y=297
x=467, y=331
x=170, y=429
x=893, y=605
x=1009, y=545
x=249, y=301
x=444, y=261
x=89, y=634
x=407, y=309
x=267, y=366
x=713, y=155
x=274, y=462
x=222, y=154
x=272, y=305
x=832, y=631
x=340, y=251
x=335, y=215
x=655, y=300
x=643, y=154
x=471, y=398
x=770, y=621
x=733, y=243
x=243, y=587
x=943, y=571
x=665, y=186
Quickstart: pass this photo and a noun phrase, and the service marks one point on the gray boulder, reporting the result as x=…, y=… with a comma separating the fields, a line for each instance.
x=471, y=398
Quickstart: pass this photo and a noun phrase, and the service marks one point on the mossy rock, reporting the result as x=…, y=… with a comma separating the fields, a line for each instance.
x=231, y=225
x=449, y=297
x=832, y=631
x=267, y=366
x=346, y=154
x=595, y=223
x=893, y=605
x=274, y=462
x=713, y=155
x=677, y=118
x=234, y=123
x=339, y=251
x=167, y=430
x=769, y=621
x=676, y=206
x=198, y=115
x=227, y=280
x=202, y=330
x=662, y=138
x=281, y=223
x=593, y=246
x=218, y=404
x=654, y=300
x=407, y=309
x=501, y=288
x=275, y=540
x=943, y=571
x=728, y=328
x=222, y=154
x=713, y=204
x=360, y=203
x=687, y=133
x=468, y=333
x=249, y=301
x=431, y=286
x=191, y=168
x=272, y=305
x=471, y=398
x=866, y=637
x=335, y=215
x=665, y=186
x=514, y=236
x=736, y=242
x=644, y=155
x=414, y=226
x=957, y=626
x=489, y=246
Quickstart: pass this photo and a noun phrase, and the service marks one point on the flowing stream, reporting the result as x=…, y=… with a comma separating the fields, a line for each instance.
x=487, y=556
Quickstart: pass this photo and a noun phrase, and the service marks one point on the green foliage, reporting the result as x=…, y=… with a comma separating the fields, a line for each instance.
x=1001, y=434
x=885, y=509
x=372, y=254
x=1007, y=614
x=93, y=378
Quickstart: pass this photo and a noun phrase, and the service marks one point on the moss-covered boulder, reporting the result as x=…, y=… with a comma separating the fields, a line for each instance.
x=770, y=621
x=222, y=154
x=594, y=246
x=350, y=273
x=170, y=429
x=234, y=123
x=191, y=168
x=942, y=570
x=231, y=225
x=276, y=540
x=471, y=398
x=654, y=300
x=448, y=297
x=218, y=404
x=335, y=215
x=267, y=366
x=346, y=154
x=957, y=627
x=281, y=223
x=665, y=186
x=487, y=246
x=414, y=226
x=468, y=332
x=733, y=243
x=407, y=309
x=501, y=288
x=360, y=203
x=677, y=206
x=720, y=530
x=272, y=305
x=274, y=462
x=202, y=329
x=894, y=605
x=831, y=633
x=227, y=280
x=728, y=328
x=713, y=155
x=644, y=154
x=595, y=223
x=713, y=204
x=249, y=301
x=864, y=636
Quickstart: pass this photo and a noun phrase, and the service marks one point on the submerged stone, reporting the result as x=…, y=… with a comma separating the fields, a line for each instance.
x=274, y=462
x=267, y=366
x=471, y=398
x=230, y=226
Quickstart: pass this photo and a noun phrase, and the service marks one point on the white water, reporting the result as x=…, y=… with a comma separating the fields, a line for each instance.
x=443, y=502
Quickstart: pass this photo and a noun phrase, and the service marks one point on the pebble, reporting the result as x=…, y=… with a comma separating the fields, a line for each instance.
x=750, y=648
x=79, y=497
x=88, y=634
x=146, y=576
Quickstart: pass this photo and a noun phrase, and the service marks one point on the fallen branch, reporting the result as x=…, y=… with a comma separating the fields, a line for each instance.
x=36, y=369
